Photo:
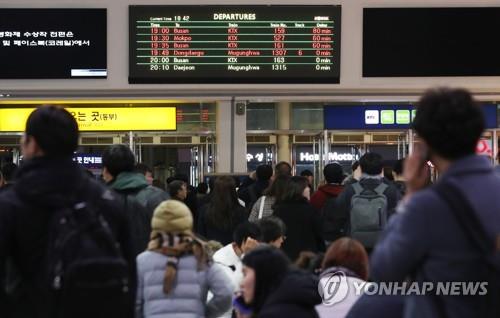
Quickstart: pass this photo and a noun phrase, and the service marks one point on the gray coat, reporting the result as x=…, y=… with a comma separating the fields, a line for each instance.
x=187, y=299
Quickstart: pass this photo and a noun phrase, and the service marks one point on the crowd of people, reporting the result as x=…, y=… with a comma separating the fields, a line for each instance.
x=269, y=246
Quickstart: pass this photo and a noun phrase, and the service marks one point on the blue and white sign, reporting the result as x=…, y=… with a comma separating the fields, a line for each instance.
x=347, y=117
x=89, y=161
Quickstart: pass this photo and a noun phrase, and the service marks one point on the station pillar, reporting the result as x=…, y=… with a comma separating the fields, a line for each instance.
x=231, y=127
x=284, y=153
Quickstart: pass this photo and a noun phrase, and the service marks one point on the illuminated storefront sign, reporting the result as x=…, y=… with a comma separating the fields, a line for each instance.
x=100, y=118
x=259, y=157
x=332, y=156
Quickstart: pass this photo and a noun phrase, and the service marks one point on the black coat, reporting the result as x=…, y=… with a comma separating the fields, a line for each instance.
x=378, y=306
x=43, y=186
x=251, y=193
x=303, y=227
x=208, y=230
x=296, y=297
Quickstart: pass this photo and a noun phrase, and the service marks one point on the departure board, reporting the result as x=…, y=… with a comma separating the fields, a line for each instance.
x=234, y=44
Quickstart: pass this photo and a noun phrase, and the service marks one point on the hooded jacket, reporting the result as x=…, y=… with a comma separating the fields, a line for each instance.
x=294, y=298
x=140, y=201
x=318, y=199
x=43, y=186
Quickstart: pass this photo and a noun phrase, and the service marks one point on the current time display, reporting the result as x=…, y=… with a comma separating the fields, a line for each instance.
x=234, y=44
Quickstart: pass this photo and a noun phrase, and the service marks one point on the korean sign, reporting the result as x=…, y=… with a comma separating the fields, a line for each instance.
x=100, y=118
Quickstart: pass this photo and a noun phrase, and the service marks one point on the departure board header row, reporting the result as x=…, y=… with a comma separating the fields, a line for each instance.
x=234, y=44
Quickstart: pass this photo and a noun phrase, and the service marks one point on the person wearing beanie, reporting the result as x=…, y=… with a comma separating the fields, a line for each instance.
x=176, y=271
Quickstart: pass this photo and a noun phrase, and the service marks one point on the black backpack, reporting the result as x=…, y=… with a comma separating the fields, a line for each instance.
x=88, y=274
x=333, y=219
x=139, y=215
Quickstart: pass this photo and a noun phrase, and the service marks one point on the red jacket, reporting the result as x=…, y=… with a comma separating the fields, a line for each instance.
x=325, y=192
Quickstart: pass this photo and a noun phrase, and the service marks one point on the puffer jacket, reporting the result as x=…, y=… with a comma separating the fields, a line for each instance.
x=187, y=299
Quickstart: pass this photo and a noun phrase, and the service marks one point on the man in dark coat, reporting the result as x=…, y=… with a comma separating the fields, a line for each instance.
x=250, y=194
x=47, y=182
x=140, y=198
x=426, y=241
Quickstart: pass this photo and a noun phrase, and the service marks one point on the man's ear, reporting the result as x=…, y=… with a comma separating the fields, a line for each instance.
x=30, y=147
x=106, y=175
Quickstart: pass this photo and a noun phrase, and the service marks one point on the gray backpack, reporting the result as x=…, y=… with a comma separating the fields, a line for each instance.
x=368, y=214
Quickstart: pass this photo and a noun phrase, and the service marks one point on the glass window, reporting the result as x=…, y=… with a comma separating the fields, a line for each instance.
x=307, y=116
x=261, y=116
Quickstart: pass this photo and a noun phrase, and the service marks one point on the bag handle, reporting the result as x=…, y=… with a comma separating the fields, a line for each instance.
x=261, y=207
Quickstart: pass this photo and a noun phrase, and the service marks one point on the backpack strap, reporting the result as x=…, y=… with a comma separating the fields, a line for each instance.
x=358, y=189
x=261, y=207
x=380, y=189
x=251, y=193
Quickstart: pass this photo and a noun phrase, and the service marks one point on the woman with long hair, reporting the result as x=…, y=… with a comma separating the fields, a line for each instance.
x=304, y=230
x=272, y=196
x=219, y=218
x=270, y=288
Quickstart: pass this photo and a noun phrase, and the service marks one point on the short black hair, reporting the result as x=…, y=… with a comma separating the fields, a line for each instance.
x=371, y=163
x=283, y=168
x=333, y=173
x=450, y=122
x=271, y=266
x=174, y=187
x=264, y=172
x=306, y=173
x=9, y=171
x=182, y=177
x=246, y=230
x=118, y=159
x=355, y=165
x=202, y=188
x=398, y=167
x=54, y=129
x=142, y=168
x=272, y=228
x=169, y=180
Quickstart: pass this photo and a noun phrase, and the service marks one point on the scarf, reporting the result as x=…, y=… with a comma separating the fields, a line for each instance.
x=176, y=245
